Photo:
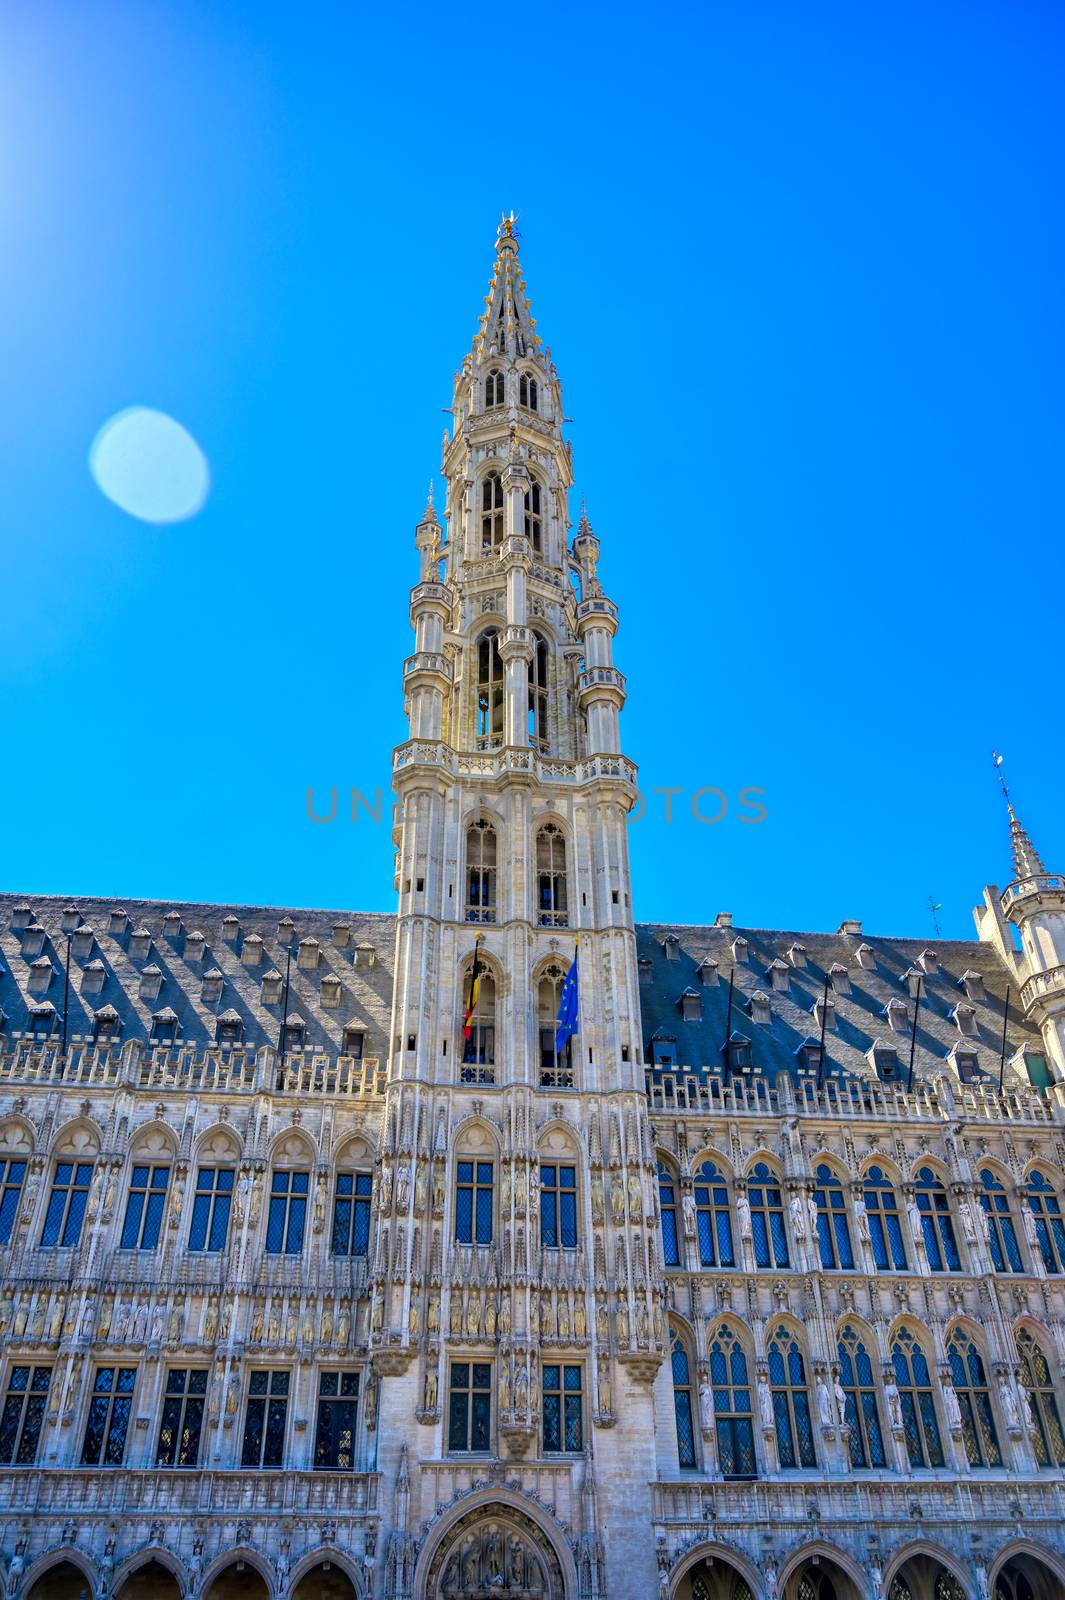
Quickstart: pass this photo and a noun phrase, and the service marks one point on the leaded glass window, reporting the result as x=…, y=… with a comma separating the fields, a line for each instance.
x=767, y=1217
x=12, y=1174
x=338, y=1407
x=1001, y=1229
x=713, y=1220
x=265, y=1419
x=683, y=1402
x=833, y=1234
x=947, y=1587
x=914, y=1383
x=493, y=389
x=479, y=1043
x=885, y=1226
x=861, y=1412
x=556, y=1067
x=563, y=1421
x=351, y=1213
x=534, y=517
x=974, y=1399
x=66, y=1203
x=109, y=1413
x=791, y=1401
x=558, y=1206
x=551, y=877
x=210, y=1209
x=287, y=1218
x=481, y=872
x=937, y=1225
x=144, y=1208
x=491, y=511
x=1048, y=1438
x=469, y=1417
x=528, y=393
x=1049, y=1223
x=473, y=1202
x=815, y=1585
x=24, y=1407
x=733, y=1416
x=182, y=1419
x=667, y=1199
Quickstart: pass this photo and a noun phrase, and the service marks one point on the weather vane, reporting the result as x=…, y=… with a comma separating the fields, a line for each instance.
x=934, y=906
x=1002, y=780
x=507, y=229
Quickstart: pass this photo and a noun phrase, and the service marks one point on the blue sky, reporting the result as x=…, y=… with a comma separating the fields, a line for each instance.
x=800, y=268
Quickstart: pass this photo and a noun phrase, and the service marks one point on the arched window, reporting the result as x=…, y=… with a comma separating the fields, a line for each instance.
x=937, y=1225
x=556, y=1070
x=1048, y=1438
x=493, y=389
x=791, y=1401
x=974, y=1400
x=767, y=1217
x=914, y=1384
x=861, y=1412
x=885, y=1227
x=900, y=1589
x=489, y=691
x=479, y=1025
x=734, y=1420
x=683, y=1402
x=551, y=877
x=1001, y=1229
x=712, y=1217
x=667, y=1203
x=538, y=694
x=1049, y=1223
x=948, y=1587
x=558, y=1205
x=833, y=1234
x=534, y=517
x=491, y=511
x=481, y=872
x=815, y=1585
x=1012, y=1585
x=528, y=392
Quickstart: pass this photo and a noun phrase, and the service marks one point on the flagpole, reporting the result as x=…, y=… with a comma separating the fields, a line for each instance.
x=1002, y=1056
x=284, y=1014
x=728, y=1026
x=824, y=1020
x=913, y=1035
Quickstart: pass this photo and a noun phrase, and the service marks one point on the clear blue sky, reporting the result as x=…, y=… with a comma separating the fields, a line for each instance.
x=801, y=270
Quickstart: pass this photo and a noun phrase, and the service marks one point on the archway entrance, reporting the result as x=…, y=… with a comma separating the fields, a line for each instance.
x=153, y=1581
x=240, y=1581
x=820, y=1578
x=922, y=1577
x=325, y=1582
x=1025, y=1577
x=713, y=1579
x=64, y=1581
x=494, y=1550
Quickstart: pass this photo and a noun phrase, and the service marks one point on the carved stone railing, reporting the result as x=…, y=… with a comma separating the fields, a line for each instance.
x=1043, y=986
x=1031, y=888
x=130, y=1490
x=235, y=1070
x=553, y=1485
x=494, y=763
x=864, y=1501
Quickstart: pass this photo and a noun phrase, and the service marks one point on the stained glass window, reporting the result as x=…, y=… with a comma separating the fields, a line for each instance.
x=558, y=1206
x=210, y=1208
x=1048, y=1438
x=109, y=1413
x=937, y=1225
x=713, y=1222
x=667, y=1198
x=791, y=1401
x=469, y=1419
x=683, y=1403
x=338, y=1406
x=914, y=1383
x=861, y=1412
x=12, y=1174
x=182, y=1419
x=947, y=1587
x=1001, y=1230
x=23, y=1413
x=351, y=1213
x=265, y=1418
x=473, y=1203
x=1049, y=1223
x=66, y=1203
x=767, y=1217
x=974, y=1399
x=833, y=1234
x=885, y=1228
x=288, y=1213
x=563, y=1429
x=733, y=1416
x=144, y=1208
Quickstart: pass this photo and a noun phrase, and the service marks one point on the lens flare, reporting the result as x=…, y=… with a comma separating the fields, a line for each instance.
x=150, y=466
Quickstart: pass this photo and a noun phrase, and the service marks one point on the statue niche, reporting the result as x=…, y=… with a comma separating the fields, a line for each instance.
x=495, y=1552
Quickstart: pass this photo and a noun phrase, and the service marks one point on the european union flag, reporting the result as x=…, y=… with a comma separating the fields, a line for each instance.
x=569, y=1008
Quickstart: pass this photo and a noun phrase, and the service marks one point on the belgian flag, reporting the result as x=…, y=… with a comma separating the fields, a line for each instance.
x=475, y=983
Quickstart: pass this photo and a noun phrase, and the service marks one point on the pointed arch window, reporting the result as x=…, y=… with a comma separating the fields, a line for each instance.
x=491, y=511
x=556, y=1068
x=767, y=1217
x=733, y=1417
x=479, y=1032
x=538, y=693
x=885, y=1226
x=791, y=1401
x=1049, y=1223
x=1001, y=1229
x=667, y=1204
x=528, y=392
x=493, y=389
x=937, y=1225
x=551, y=877
x=974, y=1399
x=861, y=1412
x=1047, y=1436
x=489, y=691
x=683, y=1402
x=713, y=1219
x=815, y=1585
x=481, y=872
x=920, y=1424
x=534, y=517
x=900, y=1589
x=833, y=1234
x=948, y=1587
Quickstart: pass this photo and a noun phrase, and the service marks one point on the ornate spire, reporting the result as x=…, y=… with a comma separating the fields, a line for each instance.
x=1026, y=860
x=507, y=322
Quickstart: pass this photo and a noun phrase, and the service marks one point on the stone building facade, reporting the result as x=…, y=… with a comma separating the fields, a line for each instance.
x=326, y=1274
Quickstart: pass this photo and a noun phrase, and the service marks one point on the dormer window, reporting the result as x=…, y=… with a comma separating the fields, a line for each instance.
x=230, y=1028
x=342, y=935
x=164, y=1026
x=211, y=987
x=691, y=1005
x=797, y=955
x=43, y=1019
x=739, y=948
x=272, y=982
x=840, y=978
x=528, y=392
x=331, y=991
x=885, y=1059
x=966, y=1065
x=106, y=1024
x=41, y=973
x=664, y=1052
x=643, y=967
x=928, y=961
x=33, y=938
x=808, y=1055
x=493, y=389
x=759, y=1007
x=739, y=1052
x=295, y=1028
x=898, y=1015
x=140, y=942
x=824, y=1012
x=286, y=931
x=252, y=950
x=1035, y=1064
x=172, y=925
x=778, y=974
x=913, y=978
x=671, y=946
x=195, y=946
x=21, y=917
x=365, y=955
x=973, y=984
x=117, y=923
x=151, y=981
x=965, y=1018
x=93, y=977
x=354, y=1042
x=708, y=970
x=231, y=928
x=307, y=955
x=69, y=918
x=81, y=943
x=491, y=511
x=866, y=957
x=534, y=517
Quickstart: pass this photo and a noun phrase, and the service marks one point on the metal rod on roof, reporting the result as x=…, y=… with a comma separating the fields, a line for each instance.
x=66, y=996
x=913, y=1033
x=284, y=1009
x=1002, y=1056
x=824, y=1020
x=728, y=1024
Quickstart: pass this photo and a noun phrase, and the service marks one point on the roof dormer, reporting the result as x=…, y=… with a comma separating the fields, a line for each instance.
x=964, y=1018
x=41, y=975
x=779, y=974
x=140, y=942
x=883, y=1057
x=739, y=948
x=286, y=931
x=365, y=955
x=897, y=1013
x=708, y=968
x=331, y=990
x=307, y=954
x=211, y=987
x=671, y=946
x=796, y=955
x=973, y=984
x=82, y=941
x=865, y=957
x=151, y=981
x=759, y=1008
x=913, y=978
x=341, y=934
x=824, y=1012
x=93, y=977
x=69, y=918
x=272, y=982
x=691, y=1005
x=195, y=946
x=172, y=926
x=117, y=922
x=231, y=928
x=251, y=952
x=928, y=961
x=229, y=1028
x=21, y=917
x=106, y=1025
x=840, y=978
x=33, y=937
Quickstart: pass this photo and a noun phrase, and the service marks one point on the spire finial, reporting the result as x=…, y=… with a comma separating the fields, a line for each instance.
x=1026, y=861
x=506, y=232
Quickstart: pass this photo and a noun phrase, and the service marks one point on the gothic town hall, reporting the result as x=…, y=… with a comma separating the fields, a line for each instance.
x=331, y=1269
